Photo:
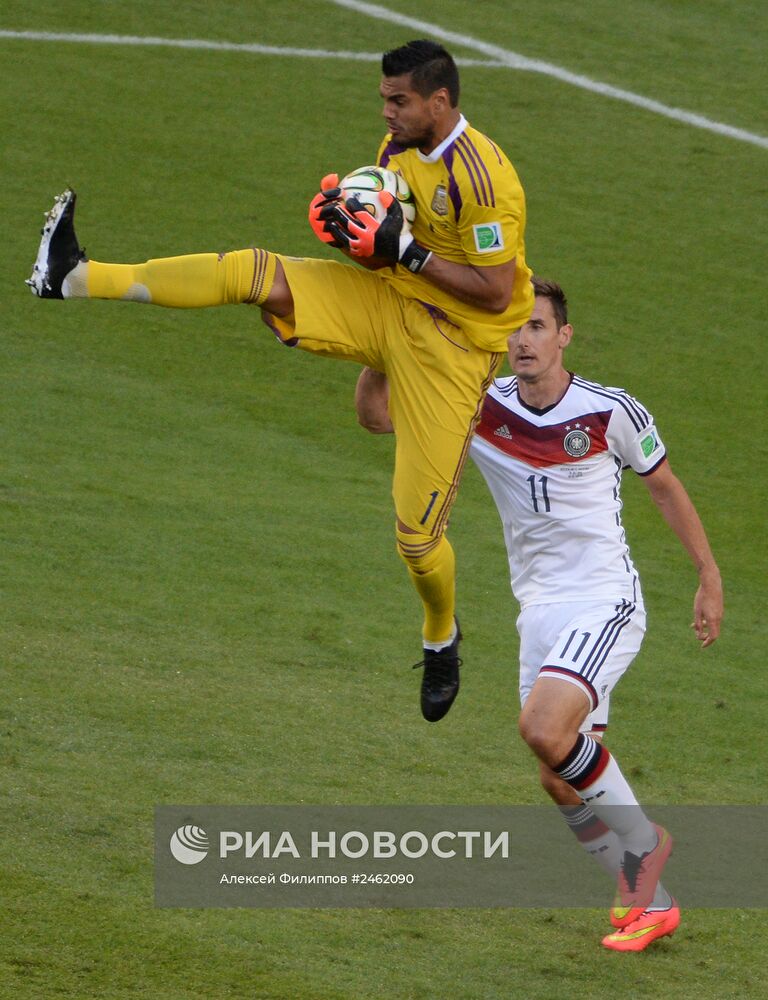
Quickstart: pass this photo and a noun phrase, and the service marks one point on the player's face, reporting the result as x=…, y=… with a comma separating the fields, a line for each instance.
x=411, y=118
x=536, y=350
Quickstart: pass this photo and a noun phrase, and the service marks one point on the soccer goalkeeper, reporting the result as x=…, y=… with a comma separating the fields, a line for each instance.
x=433, y=308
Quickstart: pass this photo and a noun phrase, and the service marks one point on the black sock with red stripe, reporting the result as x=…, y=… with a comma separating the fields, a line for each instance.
x=584, y=764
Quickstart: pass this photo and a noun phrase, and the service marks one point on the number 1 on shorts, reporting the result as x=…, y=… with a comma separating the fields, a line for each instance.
x=432, y=497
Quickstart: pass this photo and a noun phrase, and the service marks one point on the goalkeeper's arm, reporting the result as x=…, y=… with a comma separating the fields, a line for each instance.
x=488, y=288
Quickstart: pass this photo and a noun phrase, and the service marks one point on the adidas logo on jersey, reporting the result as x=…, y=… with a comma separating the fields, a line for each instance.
x=503, y=432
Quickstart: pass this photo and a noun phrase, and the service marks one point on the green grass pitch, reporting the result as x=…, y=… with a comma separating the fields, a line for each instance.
x=188, y=616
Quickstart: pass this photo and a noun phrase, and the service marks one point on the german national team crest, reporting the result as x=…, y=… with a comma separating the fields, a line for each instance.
x=440, y=200
x=577, y=443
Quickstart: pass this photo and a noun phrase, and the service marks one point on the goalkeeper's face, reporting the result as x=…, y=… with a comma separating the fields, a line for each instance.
x=413, y=120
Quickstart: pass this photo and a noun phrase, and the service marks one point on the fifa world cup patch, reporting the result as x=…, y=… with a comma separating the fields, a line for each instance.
x=649, y=444
x=488, y=237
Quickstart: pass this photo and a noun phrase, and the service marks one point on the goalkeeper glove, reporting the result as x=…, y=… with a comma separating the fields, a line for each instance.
x=389, y=240
x=323, y=228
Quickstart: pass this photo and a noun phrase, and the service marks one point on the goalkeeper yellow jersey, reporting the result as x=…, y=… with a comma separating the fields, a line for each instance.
x=470, y=209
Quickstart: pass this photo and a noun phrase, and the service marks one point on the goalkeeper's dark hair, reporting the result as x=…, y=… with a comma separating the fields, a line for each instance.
x=430, y=65
x=551, y=290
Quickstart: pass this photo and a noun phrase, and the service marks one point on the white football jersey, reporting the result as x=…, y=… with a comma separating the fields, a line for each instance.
x=555, y=476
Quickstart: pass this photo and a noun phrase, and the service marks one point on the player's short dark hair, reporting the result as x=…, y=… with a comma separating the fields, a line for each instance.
x=430, y=65
x=552, y=291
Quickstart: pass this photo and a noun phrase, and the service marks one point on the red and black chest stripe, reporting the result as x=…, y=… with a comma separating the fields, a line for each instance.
x=581, y=436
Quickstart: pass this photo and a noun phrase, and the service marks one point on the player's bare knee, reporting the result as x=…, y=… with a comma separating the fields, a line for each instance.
x=535, y=735
x=549, y=740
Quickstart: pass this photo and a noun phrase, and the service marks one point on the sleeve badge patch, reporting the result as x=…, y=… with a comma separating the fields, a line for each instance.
x=488, y=237
x=649, y=444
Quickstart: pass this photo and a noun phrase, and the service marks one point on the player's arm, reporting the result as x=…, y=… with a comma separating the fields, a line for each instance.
x=372, y=402
x=488, y=288
x=677, y=508
x=349, y=227
x=485, y=277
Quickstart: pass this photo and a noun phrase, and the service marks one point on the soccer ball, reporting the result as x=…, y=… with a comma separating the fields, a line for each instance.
x=367, y=183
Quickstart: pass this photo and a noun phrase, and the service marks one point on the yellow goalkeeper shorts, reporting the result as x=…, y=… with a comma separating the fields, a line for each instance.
x=437, y=376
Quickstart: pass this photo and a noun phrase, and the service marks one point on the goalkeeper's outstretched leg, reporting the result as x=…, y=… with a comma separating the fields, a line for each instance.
x=63, y=271
x=333, y=310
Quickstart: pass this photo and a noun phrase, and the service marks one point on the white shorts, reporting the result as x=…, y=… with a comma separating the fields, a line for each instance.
x=584, y=643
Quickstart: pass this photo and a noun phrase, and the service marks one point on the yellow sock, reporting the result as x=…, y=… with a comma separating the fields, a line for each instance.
x=432, y=568
x=203, y=279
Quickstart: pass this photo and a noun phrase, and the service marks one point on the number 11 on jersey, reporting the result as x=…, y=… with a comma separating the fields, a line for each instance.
x=540, y=502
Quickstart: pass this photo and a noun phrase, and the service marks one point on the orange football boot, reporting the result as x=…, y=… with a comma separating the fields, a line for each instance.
x=638, y=879
x=651, y=924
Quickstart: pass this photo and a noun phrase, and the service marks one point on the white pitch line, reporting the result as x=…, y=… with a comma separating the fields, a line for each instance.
x=202, y=43
x=497, y=57
x=516, y=61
